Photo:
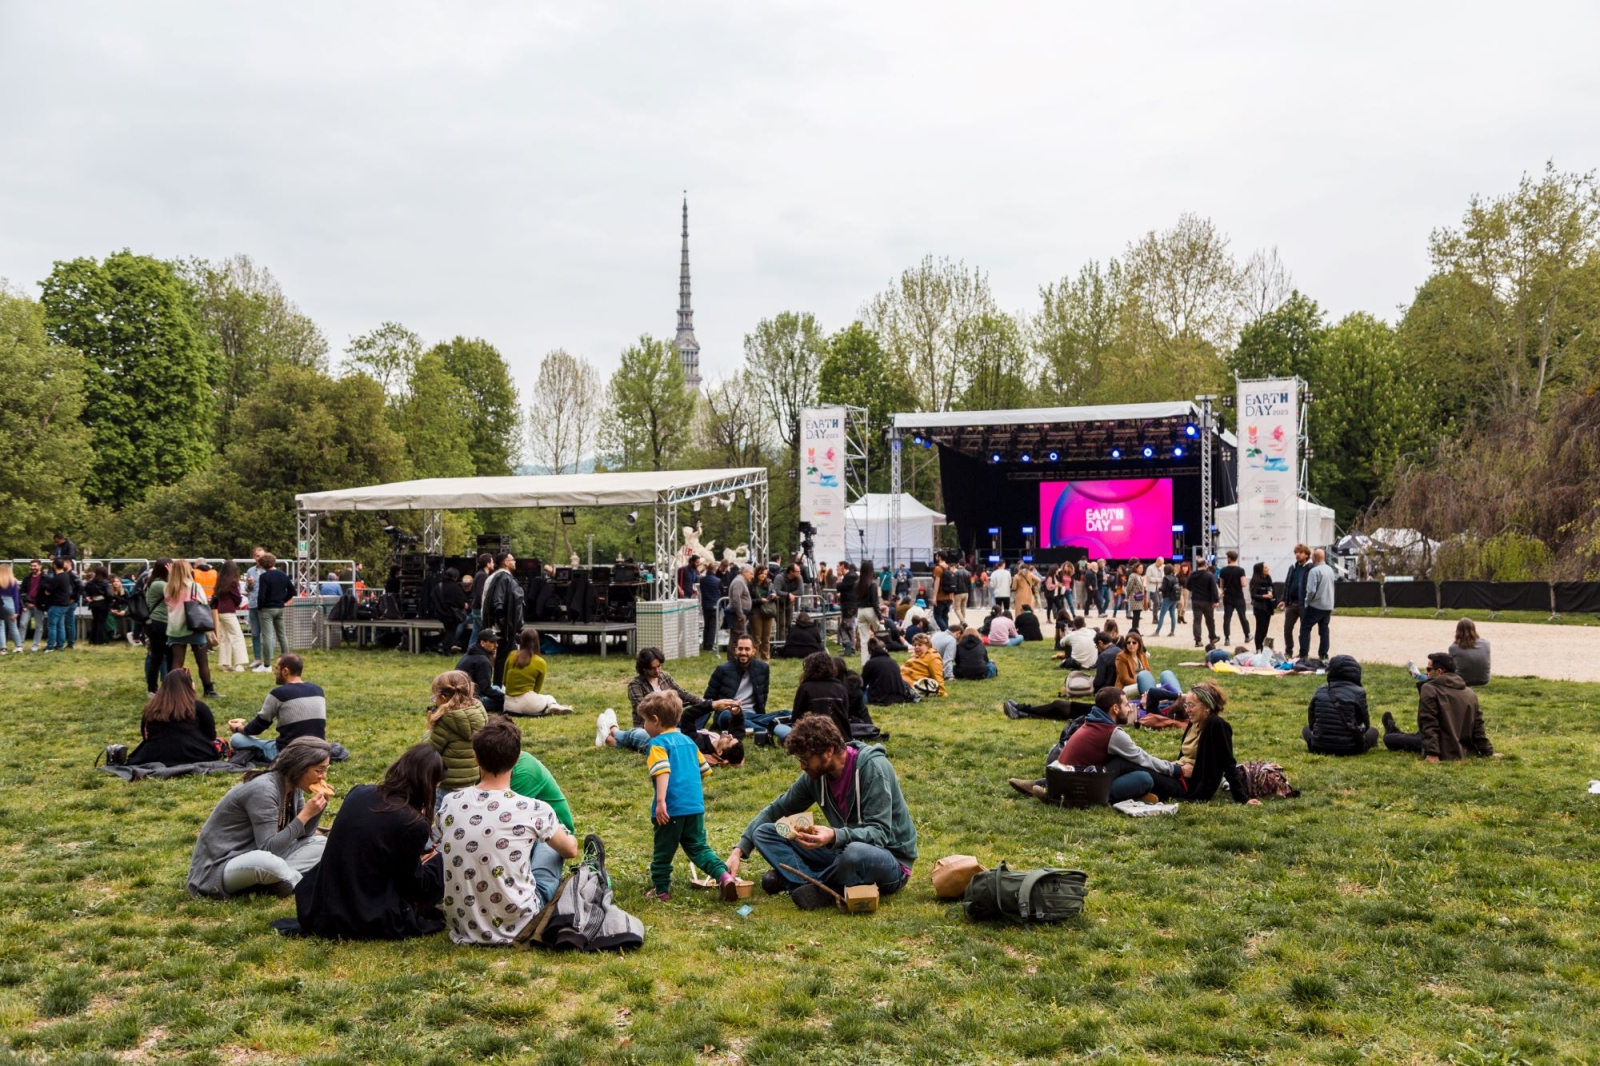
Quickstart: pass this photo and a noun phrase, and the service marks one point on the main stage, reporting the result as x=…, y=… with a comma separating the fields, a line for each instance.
x=1119, y=481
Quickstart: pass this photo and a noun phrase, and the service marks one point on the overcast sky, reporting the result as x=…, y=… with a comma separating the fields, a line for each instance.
x=514, y=172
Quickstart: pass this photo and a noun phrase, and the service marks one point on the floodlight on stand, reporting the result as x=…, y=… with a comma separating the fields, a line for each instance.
x=632, y=518
x=569, y=517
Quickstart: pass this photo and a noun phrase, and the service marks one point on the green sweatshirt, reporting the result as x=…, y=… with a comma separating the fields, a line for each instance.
x=530, y=778
x=876, y=812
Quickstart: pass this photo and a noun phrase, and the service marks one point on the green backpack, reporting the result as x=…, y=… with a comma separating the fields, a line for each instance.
x=1026, y=896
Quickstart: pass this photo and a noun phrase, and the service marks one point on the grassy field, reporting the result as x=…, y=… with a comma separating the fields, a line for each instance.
x=1395, y=912
x=1531, y=617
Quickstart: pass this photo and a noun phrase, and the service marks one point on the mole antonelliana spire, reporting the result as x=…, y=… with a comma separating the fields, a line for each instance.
x=688, y=347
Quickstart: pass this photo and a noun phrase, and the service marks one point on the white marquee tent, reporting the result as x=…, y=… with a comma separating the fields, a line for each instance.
x=1315, y=525
x=871, y=514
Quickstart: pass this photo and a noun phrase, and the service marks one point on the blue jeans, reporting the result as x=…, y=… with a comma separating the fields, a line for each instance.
x=255, y=635
x=10, y=632
x=754, y=722
x=476, y=618
x=632, y=739
x=1147, y=681
x=1105, y=598
x=269, y=748
x=854, y=864
x=993, y=669
x=1168, y=610
x=60, y=623
x=545, y=865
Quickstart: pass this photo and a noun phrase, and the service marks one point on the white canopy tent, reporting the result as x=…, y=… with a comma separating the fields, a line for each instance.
x=660, y=490
x=873, y=515
x=1315, y=525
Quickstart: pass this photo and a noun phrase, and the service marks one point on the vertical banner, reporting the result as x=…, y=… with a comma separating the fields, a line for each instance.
x=822, y=496
x=1269, y=473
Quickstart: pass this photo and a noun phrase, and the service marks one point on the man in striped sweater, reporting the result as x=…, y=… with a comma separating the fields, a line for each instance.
x=299, y=708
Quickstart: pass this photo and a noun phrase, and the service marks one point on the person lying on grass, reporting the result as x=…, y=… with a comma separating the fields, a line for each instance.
x=720, y=748
x=380, y=877
x=676, y=766
x=263, y=833
x=502, y=852
x=869, y=838
x=1449, y=720
x=1098, y=739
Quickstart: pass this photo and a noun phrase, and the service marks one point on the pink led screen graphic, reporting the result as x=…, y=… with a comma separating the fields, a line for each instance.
x=1121, y=519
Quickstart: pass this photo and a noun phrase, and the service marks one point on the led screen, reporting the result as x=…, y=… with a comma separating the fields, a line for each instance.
x=1121, y=519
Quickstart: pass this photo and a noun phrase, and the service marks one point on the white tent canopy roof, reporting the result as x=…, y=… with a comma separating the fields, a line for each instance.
x=875, y=506
x=635, y=488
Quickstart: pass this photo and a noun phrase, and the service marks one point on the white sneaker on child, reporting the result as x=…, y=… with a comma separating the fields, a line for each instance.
x=604, y=723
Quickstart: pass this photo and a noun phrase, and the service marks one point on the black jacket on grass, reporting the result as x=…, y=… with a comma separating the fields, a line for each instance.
x=478, y=664
x=175, y=743
x=1338, y=712
x=881, y=676
x=972, y=658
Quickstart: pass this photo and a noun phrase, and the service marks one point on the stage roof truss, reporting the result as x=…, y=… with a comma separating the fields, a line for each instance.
x=1075, y=434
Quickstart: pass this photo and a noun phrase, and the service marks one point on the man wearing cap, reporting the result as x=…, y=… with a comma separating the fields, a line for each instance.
x=478, y=664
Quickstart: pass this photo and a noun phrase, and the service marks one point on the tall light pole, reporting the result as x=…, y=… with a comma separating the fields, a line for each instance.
x=1207, y=501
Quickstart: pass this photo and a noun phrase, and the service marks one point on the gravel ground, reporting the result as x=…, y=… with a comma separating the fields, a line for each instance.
x=1560, y=653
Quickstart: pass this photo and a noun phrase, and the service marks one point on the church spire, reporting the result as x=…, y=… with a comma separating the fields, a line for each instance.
x=688, y=348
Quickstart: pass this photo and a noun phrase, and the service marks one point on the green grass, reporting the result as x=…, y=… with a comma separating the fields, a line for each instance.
x=1396, y=912
x=1530, y=617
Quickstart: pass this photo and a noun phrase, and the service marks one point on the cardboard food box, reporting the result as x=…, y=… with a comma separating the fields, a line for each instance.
x=787, y=825
x=743, y=887
x=861, y=899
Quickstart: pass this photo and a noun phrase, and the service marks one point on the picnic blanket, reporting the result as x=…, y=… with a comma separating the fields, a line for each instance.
x=237, y=763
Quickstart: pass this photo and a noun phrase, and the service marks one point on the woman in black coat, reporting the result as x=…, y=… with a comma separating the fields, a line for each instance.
x=1337, y=720
x=1262, y=602
x=1205, y=752
x=380, y=877
x=177, y=728
x=822, y=692
x=881, y=677
x=804, y=639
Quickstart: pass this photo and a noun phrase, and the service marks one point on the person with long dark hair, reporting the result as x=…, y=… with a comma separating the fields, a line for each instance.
x=263, y=834
x=227, y=597
x=1262, y=601
x=866, y=608
x=175, y=727
x=380, y=878
x=155, y=627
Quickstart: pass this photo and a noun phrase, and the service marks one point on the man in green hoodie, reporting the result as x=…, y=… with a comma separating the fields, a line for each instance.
x=868, y=838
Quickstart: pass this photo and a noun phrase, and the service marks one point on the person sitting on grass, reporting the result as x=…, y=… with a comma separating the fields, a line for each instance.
x=804, y=639
x=525, y=674
x=676, y=766
x=972, y=658
x=881, y=676
x=944, y=642
x=869, y=838
x=1205, y=752
x=492, y=838
x=1449, y=720
x=478, y=664
x=738, y=685
x=649, y=677
x=1337, y=722
x=176, y=727
x=380, y=877
x=1003, y=631
x=263, y=833
x=530, y=778
x=1080, y=646
x=1134, y=675
x=299, y=708
x=1105, y=663
x=720, y=747
x=454, y=715
x=1471, y=653
x=1027, y=624
x=924, y=666
x=821, y=691
x=1098, y=739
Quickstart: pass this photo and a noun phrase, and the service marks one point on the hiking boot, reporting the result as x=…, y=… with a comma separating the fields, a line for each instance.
x=773, y=884
x=1022, y=784
x=1389, y=724
x=1012, y=710
x=809, y=897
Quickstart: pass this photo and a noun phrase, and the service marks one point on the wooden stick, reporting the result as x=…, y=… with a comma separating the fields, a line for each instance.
x=837, y=899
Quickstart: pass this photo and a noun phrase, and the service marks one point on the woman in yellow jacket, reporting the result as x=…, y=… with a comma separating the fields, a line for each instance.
x=924, y=663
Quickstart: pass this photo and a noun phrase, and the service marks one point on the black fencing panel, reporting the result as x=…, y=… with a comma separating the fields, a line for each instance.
x=1577, y=597
x=1357, y=594
x=1494, y=595
x=1411, y=594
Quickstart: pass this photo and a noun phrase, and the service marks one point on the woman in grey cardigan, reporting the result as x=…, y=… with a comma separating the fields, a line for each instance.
x=264, y=832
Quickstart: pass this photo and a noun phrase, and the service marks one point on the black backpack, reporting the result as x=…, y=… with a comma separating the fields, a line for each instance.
x=1026, y=896
x=138, y=606
x=947, y=580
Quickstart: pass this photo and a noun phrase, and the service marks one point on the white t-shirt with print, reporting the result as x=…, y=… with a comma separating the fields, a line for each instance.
x=486, y=841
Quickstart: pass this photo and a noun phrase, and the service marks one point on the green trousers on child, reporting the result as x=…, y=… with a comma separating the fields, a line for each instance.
x=689, y=832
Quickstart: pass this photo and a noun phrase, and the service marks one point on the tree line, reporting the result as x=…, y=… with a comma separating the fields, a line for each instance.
x=178, y=406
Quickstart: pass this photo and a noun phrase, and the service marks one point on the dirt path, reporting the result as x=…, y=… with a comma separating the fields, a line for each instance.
x=1560, y=653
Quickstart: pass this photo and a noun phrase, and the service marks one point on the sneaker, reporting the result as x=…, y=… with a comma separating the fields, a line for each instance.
x=773, y=884
x=261, y=669
x=604, y=723
x=659, y=897
x=1011, y=709
x=1389, y=724
x=809, y=897
x=559, y=708
x=211, y=694
x=726, y=886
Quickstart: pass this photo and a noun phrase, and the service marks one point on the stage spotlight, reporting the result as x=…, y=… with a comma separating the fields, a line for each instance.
x=569, y=517
x=1177, y=451
x=1027, y=458
x=1148, y=452
x=1055, y=457
x=632, y=518
x=995, y=458
x=1116, y=453
x=1191, y=430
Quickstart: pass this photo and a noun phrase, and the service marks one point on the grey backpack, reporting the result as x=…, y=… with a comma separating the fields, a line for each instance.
x=583, y=915
x=1026, y=896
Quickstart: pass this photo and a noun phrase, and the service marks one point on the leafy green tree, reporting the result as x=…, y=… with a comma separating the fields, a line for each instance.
x=994, y=363
x=387, y=355
x=649, y=409
x=1285, y=342
x=46, y=446
x=147, y=390
x=919, y=319
x=782, y=355
x=251, y=325
x=857, y=372
x=496, y=429
x=436, y=420
x=1076, y=330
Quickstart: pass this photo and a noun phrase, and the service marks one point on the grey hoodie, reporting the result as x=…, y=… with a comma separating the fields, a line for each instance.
x=875, y=813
